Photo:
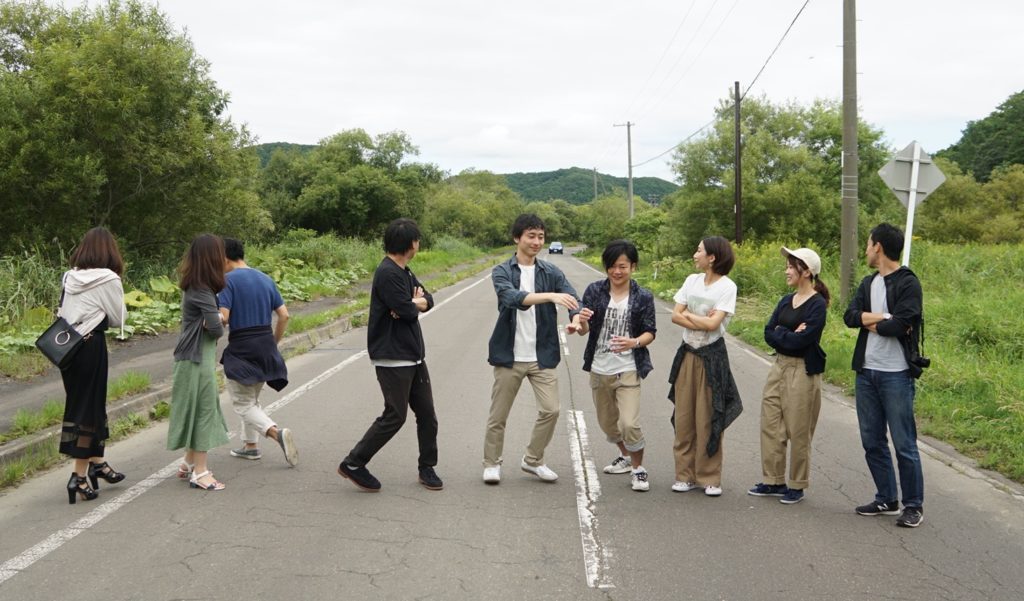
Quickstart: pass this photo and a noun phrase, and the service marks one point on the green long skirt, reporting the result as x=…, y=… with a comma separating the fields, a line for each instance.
x=197, y=422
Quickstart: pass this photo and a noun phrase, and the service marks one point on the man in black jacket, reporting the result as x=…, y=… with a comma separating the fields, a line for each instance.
x=396, y=349
x=887, y=310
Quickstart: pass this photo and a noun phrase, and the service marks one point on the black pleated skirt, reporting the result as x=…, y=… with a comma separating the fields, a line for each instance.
x=84, y=431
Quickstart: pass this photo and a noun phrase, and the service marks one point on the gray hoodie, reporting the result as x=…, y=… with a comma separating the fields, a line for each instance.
x=89, y=296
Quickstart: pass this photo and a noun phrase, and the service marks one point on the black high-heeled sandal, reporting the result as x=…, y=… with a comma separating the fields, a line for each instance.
x=103, y=470
x=77, y=485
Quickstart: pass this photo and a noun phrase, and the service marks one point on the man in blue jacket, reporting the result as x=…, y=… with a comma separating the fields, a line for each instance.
x=887, y=310
x=525, y=344
x=394, y=342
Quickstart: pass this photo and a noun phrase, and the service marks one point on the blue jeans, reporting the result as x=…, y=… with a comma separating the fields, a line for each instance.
x=886, y=399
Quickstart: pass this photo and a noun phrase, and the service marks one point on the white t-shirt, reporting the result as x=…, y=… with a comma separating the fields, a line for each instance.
x=882, y=353
x=525, y=346
x=616, y=323
x=701, y=300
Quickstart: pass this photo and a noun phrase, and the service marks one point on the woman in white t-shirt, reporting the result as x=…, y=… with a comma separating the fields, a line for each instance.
x=703, y=308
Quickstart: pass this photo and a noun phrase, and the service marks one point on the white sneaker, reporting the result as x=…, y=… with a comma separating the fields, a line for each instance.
x=684, y=486
x=640, y=483
x=713, y=491
x=620, y=465
x=541, y=471
x=492, y=474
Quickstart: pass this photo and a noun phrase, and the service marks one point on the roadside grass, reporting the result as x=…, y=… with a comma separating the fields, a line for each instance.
x=130, y=382
x=970, y=396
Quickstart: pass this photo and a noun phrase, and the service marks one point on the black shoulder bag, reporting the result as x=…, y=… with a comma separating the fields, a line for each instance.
x=60, y=341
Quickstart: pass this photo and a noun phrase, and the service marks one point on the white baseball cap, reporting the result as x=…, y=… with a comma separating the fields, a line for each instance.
x=808, y=256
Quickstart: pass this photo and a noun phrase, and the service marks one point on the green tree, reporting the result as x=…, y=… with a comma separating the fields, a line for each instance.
x=992, y=142
x=791, y=176
x=109, y=117
x=475, y=205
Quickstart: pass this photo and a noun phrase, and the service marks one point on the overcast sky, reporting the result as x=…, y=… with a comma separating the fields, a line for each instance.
x=537, y=86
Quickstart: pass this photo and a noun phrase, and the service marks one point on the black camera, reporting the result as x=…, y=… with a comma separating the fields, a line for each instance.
x=920, y=361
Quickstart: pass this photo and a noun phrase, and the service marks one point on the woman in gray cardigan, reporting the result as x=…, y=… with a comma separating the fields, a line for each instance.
x=197, y=423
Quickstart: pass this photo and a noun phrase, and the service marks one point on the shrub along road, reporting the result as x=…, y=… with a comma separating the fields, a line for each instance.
x=305, y=533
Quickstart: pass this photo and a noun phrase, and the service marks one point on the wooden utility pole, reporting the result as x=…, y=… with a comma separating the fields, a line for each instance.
x=848, y=240
x=595, y=183
x=629, y=158
x=739, y=169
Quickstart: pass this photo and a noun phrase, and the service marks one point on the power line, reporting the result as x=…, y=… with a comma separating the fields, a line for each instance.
x=661, y=58
x=731, y=105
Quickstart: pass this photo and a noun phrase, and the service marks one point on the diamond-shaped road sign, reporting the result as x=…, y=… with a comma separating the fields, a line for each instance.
x=897, y=174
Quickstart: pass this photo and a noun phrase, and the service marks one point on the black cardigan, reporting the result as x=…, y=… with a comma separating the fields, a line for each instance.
x=904, y=298
x=805, y=344
x=389, y=337
x=725, y=397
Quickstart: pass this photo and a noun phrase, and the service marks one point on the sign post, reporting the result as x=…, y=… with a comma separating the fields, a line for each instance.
x=912, y=176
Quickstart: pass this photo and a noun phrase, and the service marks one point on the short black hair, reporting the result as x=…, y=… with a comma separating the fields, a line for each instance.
x=526, y=221
x=617, y=248
x=400, y=236
x=891, y=239
x=233, y=249
x=722, y=251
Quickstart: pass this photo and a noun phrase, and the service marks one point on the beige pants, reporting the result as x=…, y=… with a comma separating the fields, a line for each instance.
x=693, y=426
x=789, y=412
x=245, y=399
x=617, y=400
x=507, y=381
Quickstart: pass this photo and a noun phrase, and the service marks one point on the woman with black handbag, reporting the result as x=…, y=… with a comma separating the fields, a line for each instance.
x=92, y=301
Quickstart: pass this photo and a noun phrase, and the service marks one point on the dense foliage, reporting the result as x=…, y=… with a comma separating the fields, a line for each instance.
x=109, y=117
x=576, y=186
x=993, y=142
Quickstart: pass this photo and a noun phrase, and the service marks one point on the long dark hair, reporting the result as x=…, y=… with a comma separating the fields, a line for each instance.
x=98, y=249
x=819, y=286
x=203, y=264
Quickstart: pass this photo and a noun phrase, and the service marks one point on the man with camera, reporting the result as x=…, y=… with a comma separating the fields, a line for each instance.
x=887, y=310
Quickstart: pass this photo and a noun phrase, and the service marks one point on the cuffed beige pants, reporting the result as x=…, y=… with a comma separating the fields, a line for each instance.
x=245, y=399
x=789, y=412
x=507, y=381
x=617, y=400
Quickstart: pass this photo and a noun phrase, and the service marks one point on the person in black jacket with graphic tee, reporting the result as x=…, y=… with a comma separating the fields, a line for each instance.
x=887, y=310
x=792, y=393
x=396, y=349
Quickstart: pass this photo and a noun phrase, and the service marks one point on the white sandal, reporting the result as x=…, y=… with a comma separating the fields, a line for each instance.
x=193, y=481
x=185, y=470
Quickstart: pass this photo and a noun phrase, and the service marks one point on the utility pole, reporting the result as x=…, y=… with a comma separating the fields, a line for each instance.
x=595, y=183
x=629, y=156
x=848, y=240
x=739, y=170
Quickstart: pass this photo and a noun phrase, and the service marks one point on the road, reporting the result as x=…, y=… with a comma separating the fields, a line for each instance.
x=304, y=533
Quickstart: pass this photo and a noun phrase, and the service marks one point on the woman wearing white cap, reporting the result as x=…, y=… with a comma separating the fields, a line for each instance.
x=792, y=393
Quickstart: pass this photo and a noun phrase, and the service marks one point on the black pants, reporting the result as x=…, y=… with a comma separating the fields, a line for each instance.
x=404, y=388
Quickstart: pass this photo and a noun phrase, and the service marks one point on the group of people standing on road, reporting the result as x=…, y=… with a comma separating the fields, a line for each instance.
x=616, y=314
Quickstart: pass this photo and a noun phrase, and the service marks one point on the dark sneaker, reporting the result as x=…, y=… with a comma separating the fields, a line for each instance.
x=360, y=476
x=911, y=518
x=244, y=453
x=767, y=490
x=876, y=508
x=792, y=496
x=429, y=478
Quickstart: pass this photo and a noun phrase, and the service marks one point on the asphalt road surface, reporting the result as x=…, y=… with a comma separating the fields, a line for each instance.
x=304, y=533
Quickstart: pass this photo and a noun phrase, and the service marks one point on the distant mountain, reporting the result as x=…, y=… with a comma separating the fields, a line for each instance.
x=576, y=185
x=265, y=150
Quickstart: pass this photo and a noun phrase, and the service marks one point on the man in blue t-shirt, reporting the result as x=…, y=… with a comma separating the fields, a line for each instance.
x=247, y=304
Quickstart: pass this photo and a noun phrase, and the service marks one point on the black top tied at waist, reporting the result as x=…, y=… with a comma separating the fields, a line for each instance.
x=252, y=357
x=726, y=405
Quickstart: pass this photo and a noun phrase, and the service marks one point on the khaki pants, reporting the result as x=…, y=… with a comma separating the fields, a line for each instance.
x=507, y=381
x=693, y=426
x=789, y=412
x=617, y=400
x=245, y=399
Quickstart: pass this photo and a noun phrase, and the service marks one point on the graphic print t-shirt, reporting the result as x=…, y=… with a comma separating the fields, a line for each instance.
x=616, y=323
x=702, y=300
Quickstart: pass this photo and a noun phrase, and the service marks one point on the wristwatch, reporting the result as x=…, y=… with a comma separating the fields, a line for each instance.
x=886, y=315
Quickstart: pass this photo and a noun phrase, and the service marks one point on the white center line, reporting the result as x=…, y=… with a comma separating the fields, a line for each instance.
x=588, y=488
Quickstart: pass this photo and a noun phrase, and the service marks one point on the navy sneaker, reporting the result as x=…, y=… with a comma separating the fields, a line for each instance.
x=360, y=476
x=792, y=496
x=911, y=518
x=876, y=508
x=767, y=490
x=429, y=478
